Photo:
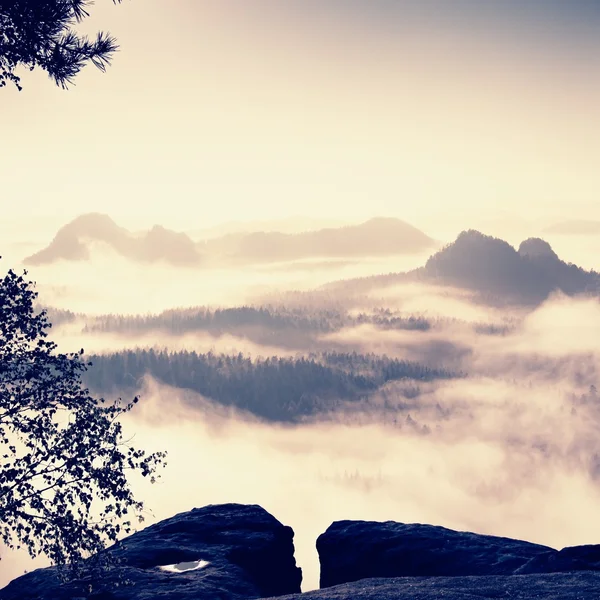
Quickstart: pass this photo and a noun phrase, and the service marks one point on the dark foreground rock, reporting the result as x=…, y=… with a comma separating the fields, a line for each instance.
x=250, y=554
x=582, y=585
x=353, y=550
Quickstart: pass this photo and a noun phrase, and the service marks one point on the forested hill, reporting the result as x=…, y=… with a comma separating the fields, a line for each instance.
x=492, y=270
x=275, y=389
x=491, y=266
x=237, y=319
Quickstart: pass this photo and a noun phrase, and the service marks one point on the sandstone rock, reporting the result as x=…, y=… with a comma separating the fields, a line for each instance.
x=219, y=552
x=353, y=550
x=554, y=586
x=537, y=248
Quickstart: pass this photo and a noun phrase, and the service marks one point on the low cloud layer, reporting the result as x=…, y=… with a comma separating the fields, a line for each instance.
x=508, y=461
x=511, y=449
x=500, y=457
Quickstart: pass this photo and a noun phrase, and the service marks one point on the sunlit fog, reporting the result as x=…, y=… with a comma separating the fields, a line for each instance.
x=346, y=255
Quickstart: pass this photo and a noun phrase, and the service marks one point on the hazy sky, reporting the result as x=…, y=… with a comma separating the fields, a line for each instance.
x=435, y=111
x=446, y=113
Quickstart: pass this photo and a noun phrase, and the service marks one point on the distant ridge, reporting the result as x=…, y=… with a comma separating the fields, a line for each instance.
x=71, y=243
x=376, y=237
x=296, y=224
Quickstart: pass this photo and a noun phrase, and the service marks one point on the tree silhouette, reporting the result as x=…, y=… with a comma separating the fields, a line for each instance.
x=63, y=459
x=40, y=33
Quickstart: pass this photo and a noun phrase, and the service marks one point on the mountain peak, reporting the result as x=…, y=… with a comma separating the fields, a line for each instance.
x=71, y=242
x=490, y=265
x=537, y=248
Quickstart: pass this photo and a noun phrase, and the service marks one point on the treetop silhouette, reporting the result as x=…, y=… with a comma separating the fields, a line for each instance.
x=41, y=33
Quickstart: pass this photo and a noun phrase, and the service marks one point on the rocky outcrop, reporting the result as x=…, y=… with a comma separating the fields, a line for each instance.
x=537, y=248
x=219, y=552
x=498, y=273
x=353, y=550
x=72, y=242
x=555, y=586
x=238, y=552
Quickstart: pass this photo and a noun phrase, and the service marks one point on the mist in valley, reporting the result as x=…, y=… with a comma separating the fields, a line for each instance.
x=345, y=254
x=501, y=439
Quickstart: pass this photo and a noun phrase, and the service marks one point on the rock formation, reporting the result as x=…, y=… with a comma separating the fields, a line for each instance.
x=352, y=550
x=537, y=248
x=394, y=561
x=494, y=269
x=225, y=552
x=554, y=586
x=238, y=552
x=72, y=243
